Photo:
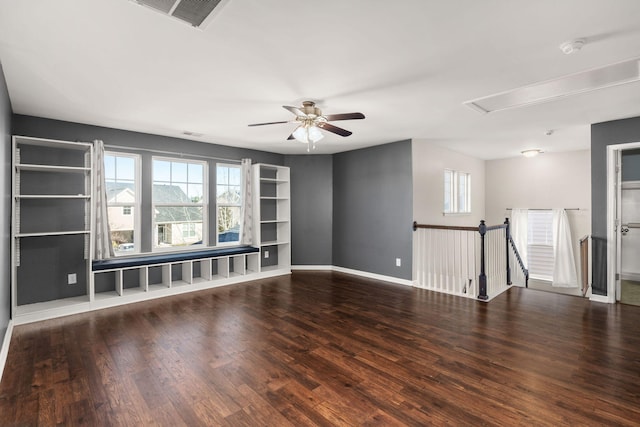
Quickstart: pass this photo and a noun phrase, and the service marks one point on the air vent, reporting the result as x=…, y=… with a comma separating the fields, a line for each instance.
x=193, y=12
x=597, y=78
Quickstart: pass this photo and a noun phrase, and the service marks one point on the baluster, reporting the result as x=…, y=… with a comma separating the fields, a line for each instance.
x=482, y=279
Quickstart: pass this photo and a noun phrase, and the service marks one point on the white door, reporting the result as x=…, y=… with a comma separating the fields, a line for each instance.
x=630, y=230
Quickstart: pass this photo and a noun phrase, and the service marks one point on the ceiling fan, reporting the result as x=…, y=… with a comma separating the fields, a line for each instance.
x=310, y=120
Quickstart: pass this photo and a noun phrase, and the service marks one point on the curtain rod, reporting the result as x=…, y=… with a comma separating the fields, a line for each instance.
x=173, y=153
x=548, y=209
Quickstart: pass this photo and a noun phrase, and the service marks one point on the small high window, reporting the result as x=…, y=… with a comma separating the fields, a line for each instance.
x=457, y=192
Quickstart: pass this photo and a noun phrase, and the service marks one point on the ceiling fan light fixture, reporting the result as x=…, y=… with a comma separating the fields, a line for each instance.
x=308, y=134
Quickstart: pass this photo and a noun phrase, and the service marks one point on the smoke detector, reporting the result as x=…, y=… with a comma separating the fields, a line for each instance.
x=572, y=46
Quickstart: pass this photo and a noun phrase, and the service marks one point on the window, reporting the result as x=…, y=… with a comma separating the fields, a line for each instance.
x=179, y=203
x=229, y=201
x=457, y=192
x=123, y=201
x=540, y=257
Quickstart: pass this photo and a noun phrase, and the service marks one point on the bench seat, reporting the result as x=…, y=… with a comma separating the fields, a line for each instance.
x=165, y=258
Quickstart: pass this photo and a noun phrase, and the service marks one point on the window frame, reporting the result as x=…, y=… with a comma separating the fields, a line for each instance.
x=454, y=192
x=219, y=205
x=137, y=204
x=533, y=273
x=204, y=204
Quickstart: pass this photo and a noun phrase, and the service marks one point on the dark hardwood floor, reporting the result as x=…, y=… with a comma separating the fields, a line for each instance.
x=329, y=349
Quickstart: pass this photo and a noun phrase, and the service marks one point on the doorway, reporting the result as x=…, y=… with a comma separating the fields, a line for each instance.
x=624, y=223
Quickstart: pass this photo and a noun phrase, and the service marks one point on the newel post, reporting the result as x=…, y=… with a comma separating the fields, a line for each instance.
x=506, y=247
x=482, y=280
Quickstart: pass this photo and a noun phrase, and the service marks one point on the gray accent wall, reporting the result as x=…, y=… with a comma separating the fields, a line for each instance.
x=373, y=209
x=312, y=208
x=5, y=207
x=602, y=135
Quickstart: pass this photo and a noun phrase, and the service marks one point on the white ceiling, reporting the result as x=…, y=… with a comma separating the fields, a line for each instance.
x=406, y=64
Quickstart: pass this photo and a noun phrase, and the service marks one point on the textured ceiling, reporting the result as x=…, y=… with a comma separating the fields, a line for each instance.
x=408, y=65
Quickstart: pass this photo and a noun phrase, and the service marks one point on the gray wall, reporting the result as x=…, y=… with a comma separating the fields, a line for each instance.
x=5, y=207
x=631, y=165
x=603, y=134
x=373, y=209
x=137, y=143
x=312, y=209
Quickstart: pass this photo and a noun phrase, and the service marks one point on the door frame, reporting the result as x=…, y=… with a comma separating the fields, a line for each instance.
x=614, y=192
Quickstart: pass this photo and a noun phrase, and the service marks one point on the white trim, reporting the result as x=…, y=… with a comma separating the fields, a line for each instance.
x=4, y=351
x=373, y=276
x=312, y=267
x=602, y=298
x=612, y=153
x=630, y=276
x=360, y=273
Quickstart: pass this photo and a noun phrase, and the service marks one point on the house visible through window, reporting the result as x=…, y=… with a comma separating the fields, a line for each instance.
x=228, y=201
x=457, y=192
x=540, y=255
x=179, y=204
x=123, y=201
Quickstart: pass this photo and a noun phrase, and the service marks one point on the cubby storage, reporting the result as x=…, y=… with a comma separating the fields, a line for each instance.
x=51, y=224
x=272, y=210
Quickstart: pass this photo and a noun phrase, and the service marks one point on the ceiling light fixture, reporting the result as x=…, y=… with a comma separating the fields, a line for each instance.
x=572, y=46
x=585, y=81
x=308, y=133
x=531, y=153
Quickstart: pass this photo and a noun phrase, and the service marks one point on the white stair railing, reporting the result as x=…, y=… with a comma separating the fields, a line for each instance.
x=474, y=262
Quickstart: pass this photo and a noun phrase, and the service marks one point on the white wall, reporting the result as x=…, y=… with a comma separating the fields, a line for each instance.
x=429, y=162
x=550, y=180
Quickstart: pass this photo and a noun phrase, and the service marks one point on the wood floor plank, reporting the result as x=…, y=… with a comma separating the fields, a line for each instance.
x=318, y=348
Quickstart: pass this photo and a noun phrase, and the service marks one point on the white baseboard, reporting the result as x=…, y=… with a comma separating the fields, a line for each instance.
x=601, y=298
x=630, y=276
x=374, y=276
x=355, y=273
x=312, y=267
x=4, y=351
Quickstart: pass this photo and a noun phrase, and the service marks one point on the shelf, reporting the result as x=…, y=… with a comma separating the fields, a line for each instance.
x=52, y=143
x=53, y=233
x=52, y=168
x=53, y=196
x=274, y=243
x=274, y=180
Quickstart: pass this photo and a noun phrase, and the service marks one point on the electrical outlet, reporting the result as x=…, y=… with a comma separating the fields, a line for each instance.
x=398, y=262
x=72, y=279
x=266, y=254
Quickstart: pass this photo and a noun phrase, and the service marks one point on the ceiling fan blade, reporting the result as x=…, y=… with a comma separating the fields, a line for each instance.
x=291, y=136
x=295, y=110
x=334, y=129
x=269, y=123
x=344, y=116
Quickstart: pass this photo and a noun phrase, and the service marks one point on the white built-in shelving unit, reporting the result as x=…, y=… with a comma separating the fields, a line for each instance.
x=272, y=216
x=51, y=204
x=52, y=238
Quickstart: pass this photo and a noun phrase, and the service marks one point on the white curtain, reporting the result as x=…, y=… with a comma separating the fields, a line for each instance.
x=103, y=249
x=519, y=232
x=564, y=269
x=247, y=203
